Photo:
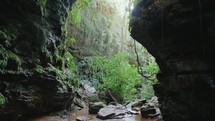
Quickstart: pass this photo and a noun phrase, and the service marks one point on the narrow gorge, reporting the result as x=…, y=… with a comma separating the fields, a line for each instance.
x=62, y=56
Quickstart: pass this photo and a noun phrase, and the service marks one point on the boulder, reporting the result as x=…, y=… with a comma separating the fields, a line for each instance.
x=79, y=102
x=112, y=112
x=149, y=111
x=95, y=107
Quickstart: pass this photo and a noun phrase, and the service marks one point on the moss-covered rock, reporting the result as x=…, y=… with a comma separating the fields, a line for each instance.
x=35, y=77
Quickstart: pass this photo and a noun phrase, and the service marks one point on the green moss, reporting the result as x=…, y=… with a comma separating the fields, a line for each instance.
x=6, y=56
x=9, y=55
x=8, y=34
x=40, y=69
x=3, y=57
x=76, y=9
x=70, y=62
x=65, y=73
x=15, y=58
x=152, y=68
x=42, y=2
x=71, y=41
x=2, y=99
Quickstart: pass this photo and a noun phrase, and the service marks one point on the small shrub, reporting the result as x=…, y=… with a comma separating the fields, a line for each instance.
x=147, y=90
x=117, y=75
x=152, y=68
x=71, y=41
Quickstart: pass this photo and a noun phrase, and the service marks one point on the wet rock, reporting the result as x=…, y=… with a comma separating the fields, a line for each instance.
x=149, y=111
x=113, y=103
x=186, y=62
x=23, y=48
x=137, y=103
x=134, y=107
x=81, y=118
x=112, y=112
x=87, y=93
x=106, y=114
x=79, y=102
x=95, y=107
x=89, y=89
x=31, y=39
x=154, y=101
x=80, y=93
x=112, y=96
x=93, y=98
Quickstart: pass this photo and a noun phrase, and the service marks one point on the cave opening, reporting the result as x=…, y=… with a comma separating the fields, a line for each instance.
x=102, y=38
x=118, y=67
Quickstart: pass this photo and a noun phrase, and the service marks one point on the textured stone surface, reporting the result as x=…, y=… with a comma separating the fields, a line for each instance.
x=29, y=36
x=112, y=112
x=180, y=35
x=95, y=107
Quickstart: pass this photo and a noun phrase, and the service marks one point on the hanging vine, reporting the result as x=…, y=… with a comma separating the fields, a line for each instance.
x=140, y=70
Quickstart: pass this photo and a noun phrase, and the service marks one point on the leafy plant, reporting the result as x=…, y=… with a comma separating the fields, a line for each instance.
x=2, y=99
x=117, y=75
x=76, y=9
x=147, y=90
x=152, y=68
x=71, y=41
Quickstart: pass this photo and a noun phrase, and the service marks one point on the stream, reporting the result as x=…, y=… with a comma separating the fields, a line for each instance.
x=85, y=113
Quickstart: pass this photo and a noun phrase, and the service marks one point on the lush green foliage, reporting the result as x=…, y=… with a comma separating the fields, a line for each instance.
x=117, y=75
x=152, y=68
x=148, y=66
x=150, y=71
x=70, y=41
x=76, y=9
x=147, y=90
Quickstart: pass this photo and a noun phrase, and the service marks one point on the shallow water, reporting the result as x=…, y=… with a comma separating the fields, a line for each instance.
x=84, y=112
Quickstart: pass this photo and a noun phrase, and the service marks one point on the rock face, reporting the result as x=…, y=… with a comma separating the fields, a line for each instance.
x=180, y=35
x=30, y=35
x=95, y=107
